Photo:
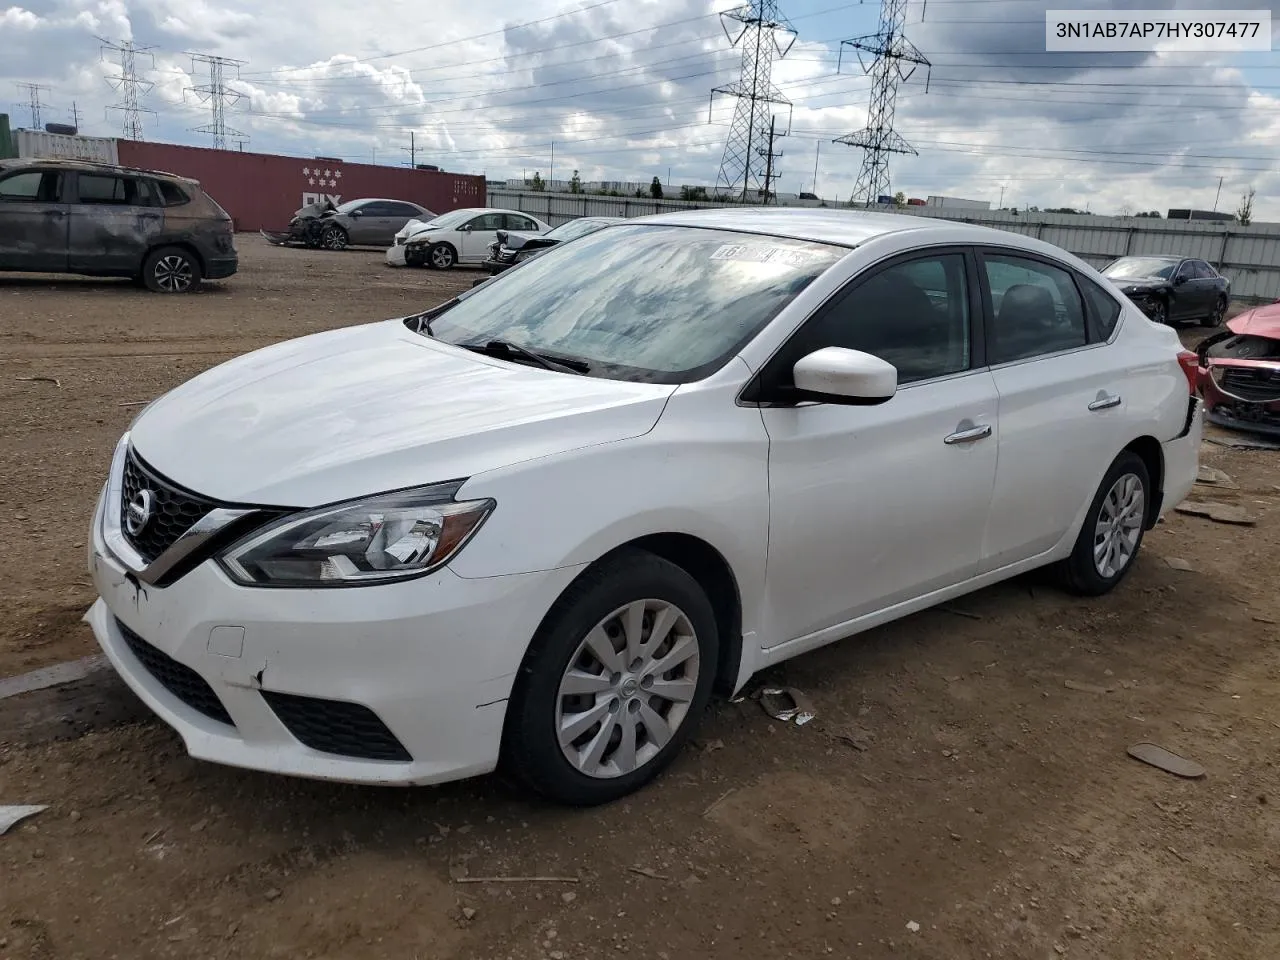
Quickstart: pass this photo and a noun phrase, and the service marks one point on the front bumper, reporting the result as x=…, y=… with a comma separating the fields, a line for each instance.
x=395, y=255
x=1225, y=409
x=496, y=267
x=428, y=664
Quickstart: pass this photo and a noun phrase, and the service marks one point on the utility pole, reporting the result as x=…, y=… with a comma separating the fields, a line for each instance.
x=551, y=180
x=896, y=58
x=769, y=175
x=1217, y=196
x=33, y=102
x=816, y=151
x=219, y=96
x=1000, y=205
x=127, y=83
x=412, y=151
x=75, y=116
x=765, y=34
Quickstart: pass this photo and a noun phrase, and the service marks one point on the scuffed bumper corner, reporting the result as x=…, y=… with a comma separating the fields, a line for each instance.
x=1182, y=459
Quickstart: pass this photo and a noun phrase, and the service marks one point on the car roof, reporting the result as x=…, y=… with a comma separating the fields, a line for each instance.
x=412, y=203
x=1152, y=256
x=87, y=166
x=848, y=228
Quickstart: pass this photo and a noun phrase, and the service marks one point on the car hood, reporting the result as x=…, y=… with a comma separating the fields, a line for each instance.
x=1258, y=322
x=366, y=409
x=520, y=241
x=1140, y=282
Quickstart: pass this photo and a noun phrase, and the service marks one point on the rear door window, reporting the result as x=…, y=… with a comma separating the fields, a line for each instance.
x=1035, y=307
x=33, y=186
x=99, y=189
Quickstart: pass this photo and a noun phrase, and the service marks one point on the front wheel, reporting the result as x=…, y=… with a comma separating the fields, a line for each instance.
x=1113, y=528
x=333, y=238
x=442, y=256
x=614, y=682
x=1159, y=312
x=171, y=270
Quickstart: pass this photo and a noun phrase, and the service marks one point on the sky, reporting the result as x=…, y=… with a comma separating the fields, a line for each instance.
x=622, y=88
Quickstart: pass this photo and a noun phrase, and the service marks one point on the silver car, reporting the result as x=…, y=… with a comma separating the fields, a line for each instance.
x=372, y=222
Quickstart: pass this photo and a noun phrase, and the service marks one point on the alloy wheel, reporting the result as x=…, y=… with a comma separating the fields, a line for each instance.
x=334, y=239
x=442, y=258
x=1160, y=313
x=627, y=688
x=1119, y=526
x=173, y=273
x=1219, y=311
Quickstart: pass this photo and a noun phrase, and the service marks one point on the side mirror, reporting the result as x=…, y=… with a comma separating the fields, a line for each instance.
x=357, y=213
x=838, y=375
x=465, y=228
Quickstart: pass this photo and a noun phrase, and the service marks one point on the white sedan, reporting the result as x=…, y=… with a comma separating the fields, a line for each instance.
x=536, y=526
x=460, y=236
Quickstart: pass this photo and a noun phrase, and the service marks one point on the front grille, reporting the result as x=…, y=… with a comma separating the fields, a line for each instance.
x=507, y=256
x=400, y=241
x=179, y=679
x=173, y=510
x=1255, y=384
x=336, y=726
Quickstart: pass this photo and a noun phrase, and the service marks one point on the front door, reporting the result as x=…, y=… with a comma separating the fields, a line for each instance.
x=871, y=506
x=475, y=241
x=33, y=221
x=115, y=220
x=1062, y=405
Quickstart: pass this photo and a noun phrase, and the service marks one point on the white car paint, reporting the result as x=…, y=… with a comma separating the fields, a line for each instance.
x=832, y=518
x=468, y=231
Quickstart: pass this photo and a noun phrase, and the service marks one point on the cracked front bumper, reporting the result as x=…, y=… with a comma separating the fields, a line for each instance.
x=432, y=659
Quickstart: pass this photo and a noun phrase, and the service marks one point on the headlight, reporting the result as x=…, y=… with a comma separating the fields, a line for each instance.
x=379, y=539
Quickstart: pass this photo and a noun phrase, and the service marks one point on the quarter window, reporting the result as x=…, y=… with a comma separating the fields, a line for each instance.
x=1103, y=308
x=914, y=314
x=1036, y=308
x=171, y=194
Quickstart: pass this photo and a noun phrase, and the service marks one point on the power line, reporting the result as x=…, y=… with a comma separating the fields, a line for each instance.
x=893, y=52
x=127, y=82
x=33, y=104
x=219, y=96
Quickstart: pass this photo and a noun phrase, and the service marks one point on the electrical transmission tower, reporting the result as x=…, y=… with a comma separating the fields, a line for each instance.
x=219, y=96
x=896, y=58
x=126, y=81
x=771, y=172
x=33, y=102
x=765, y=35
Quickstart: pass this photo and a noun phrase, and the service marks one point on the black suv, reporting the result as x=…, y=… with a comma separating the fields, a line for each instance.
x=70, y=216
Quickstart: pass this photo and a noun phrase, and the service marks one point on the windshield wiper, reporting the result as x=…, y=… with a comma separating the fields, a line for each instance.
x=505, y=348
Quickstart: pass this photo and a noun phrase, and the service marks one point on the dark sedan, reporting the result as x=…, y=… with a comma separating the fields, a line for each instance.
x=1172, y=289
x=511, y=248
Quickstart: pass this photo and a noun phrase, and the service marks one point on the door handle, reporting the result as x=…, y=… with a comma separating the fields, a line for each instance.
x=968, y=436
x=1105, y=403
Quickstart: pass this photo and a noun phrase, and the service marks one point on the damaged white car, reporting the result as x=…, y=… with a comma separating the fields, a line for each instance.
x=460, y=236
x=535, y=527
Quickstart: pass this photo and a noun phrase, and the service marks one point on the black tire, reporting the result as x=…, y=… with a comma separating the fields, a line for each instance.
x=1219, y=312
x=442, y=256
x=1160, y=312
x=333, y=237
x=171, y=270
x=531, y=752
x=1079, y=573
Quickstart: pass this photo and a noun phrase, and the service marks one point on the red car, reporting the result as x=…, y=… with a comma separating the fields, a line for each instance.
x=1238, y=372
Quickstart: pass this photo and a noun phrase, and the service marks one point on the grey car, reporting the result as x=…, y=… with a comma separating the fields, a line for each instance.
x=72, y=216
x=369, y=222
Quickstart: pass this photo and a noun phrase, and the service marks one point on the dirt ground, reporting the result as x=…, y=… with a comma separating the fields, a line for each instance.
x=963, y=793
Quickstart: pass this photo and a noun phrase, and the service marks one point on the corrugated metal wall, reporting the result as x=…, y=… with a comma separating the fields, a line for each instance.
x=36, y=144
x=1249, y=256
x=262, y=191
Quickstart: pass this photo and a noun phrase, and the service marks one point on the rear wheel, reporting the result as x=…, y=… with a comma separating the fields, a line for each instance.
x=1219, y=312
x=171, y=270
x=1113, y=529
x=614, y=683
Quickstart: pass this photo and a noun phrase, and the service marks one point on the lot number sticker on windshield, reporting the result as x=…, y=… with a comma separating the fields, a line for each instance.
x=759, y=253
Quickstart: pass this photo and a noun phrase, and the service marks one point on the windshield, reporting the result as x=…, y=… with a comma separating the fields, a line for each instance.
x=447, y=221
x=1130, y=267
x=574, y=229
x=664, y=304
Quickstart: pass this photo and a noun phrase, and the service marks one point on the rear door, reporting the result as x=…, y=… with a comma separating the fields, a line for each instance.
x=115, y=220
x=33, y=221
x=393, y=217
x=1062, y=400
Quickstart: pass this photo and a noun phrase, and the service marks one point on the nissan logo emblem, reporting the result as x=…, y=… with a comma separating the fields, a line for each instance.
x=137, y=512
